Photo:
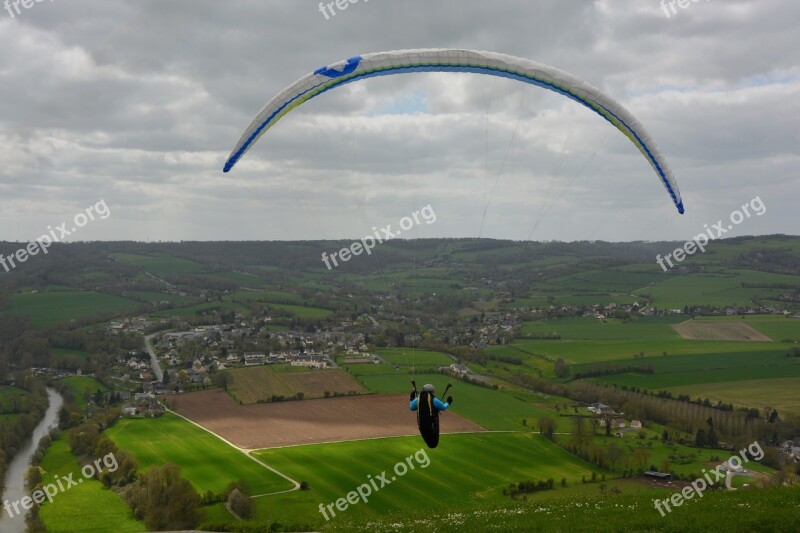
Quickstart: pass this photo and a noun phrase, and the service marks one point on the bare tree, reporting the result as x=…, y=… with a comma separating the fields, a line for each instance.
x=547, y=427
x=614, y=453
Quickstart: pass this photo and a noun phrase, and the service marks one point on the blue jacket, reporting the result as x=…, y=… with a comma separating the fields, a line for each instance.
x=437, y=403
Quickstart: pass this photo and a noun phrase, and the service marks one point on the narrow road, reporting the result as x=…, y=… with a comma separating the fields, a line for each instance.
x=153, y=358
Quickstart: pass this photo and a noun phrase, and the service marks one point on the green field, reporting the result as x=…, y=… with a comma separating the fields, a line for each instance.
x=700, y=378
x=690, y=366
x=588, y=298
x=589, y=328
x=714, y=286
x=87, y=507
x=593, y=510
x=47, y=308
x=200, y=309
x=466, y=468
x=150, y=296
x=714, y=289
x=363, y=369
x=302, y=311
x=401, y=361
x=13, y=400
x=652, y=334
x=710, y=367
x=160, y=264
x=605, y=280
x=60, y=353
x=82, y=387
x=269, y=296
x=206, y=461
x=405, y=280
x=587, y=351
x=244, y=280
x=525, y=302
x=407, y=358
x=531, y=364
x=495, y=410
x=251, y=384
x=778, y=393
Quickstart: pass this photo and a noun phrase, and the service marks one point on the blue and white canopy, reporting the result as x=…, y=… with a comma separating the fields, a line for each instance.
x=445, y=60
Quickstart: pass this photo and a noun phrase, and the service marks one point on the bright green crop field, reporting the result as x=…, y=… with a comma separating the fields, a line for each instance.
x=206, y=461
x=47, y=308
x=463, y=469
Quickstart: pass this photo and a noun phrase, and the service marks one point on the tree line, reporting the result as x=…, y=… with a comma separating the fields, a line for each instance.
x=14, y=433
x=684, y=416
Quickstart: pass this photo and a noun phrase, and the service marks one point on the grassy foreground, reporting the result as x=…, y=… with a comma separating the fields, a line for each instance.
x=464, y=469
x=744, y=511
x=206, y=461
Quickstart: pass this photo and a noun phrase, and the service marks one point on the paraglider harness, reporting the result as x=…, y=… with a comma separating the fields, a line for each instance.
x=428, y=416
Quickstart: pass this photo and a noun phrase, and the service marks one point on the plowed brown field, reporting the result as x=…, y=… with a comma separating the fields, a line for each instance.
x=722, y=331
x=268, y=425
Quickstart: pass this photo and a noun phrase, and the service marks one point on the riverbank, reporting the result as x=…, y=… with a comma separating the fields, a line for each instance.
x=14, y=481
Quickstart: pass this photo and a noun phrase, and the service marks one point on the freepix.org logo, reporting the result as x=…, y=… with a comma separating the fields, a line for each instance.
x=669, y=6
x=327, y=8
x=61, y=483
x=700, y=241
x=365, y=490
x=13, y=6
x=54, y=235
x=709, y=478
x=379, y=237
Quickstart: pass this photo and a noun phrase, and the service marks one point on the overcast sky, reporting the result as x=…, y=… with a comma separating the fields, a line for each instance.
x=138, y=104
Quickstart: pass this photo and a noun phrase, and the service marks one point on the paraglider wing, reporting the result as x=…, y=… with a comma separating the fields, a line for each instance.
x=445, y=60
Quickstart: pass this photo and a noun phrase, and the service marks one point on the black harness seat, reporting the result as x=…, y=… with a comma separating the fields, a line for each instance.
x=428, y=419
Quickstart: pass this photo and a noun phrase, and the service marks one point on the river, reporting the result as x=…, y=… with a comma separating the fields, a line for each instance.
x=15, y=476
